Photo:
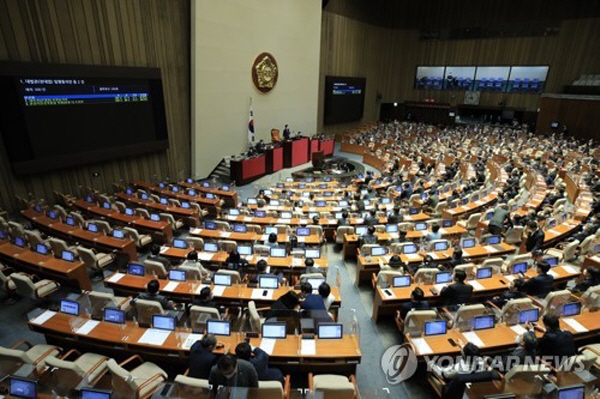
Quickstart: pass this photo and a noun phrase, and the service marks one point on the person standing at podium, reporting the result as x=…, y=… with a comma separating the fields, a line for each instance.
x=286, y=133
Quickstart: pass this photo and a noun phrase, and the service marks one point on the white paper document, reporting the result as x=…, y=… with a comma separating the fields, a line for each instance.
x=570, y=270
x=218, y=290
x=225, y=234
x=490, y=249
x=87, y=327
x=268, y=345
x=115, y=277
x=519, y=329
x=575, y=325
x=199, y=288
x=297, y=262
x=191, y=340
x=282, y=221
x=257, y=293
x=248, y=218
x=413, y=257
x=205, y=256
x=195, y=231
x=474, y=338
x=153, y=336
x=553, y=273
x=44, y=317
x=308, y=347
x=553, y=232
x=171, y=286
x=476, y=285
x=301, y=239
x=422, y=346
x=509, y=277
x=163, y=249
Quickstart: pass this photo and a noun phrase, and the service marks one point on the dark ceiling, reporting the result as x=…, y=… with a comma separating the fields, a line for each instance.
x=452, y=14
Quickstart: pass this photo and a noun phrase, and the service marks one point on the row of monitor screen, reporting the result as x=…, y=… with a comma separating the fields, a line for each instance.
x=163, y=200
x=246, y=249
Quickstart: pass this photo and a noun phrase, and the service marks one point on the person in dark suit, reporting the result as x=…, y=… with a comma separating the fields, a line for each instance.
x=313, y=304
x=205, y=299
x=416, y=302
x=457, y=293
x=591, y=278
x=457, y=257
x=554, y=342
x=542, y=284
x=152, y=294
x=525, y=352
x=395, y=217
x=535, y=238
x=515, y=291
x=260, y=360
x=156, y=256
x=344, y=221
x=232, y=372
x=202, y=358
x=368, y=238
x=499, y=220
x=372, y=220
x=286, y=133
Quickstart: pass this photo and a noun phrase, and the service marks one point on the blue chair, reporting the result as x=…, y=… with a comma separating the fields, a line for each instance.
x=499, y=83
x=516, y=84
x=525, y=84
x=482, y=83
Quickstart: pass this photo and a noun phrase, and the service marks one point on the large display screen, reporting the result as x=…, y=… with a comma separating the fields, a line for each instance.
x=58, y=116
x=344, y=99
x=527, y=78
x=430, y=77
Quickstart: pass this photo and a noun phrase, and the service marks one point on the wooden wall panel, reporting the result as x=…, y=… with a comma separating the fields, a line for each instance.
x=141, y=33
x=581, y=116
x=388, y=58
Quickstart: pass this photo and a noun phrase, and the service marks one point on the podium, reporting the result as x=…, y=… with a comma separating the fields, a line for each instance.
x=247, y=170
x=295, y=152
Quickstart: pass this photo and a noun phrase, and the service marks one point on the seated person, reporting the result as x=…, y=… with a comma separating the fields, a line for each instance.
x=287, y=304
x=271, y=240
x=344, y=221
x=591, y=278
x=205, y=299
x=157, y=257
x=515, y=291
x=152, y=294
x=325, y=292
x=554, y=342
x=394, y=264
x=525, y=352
x=372, y=219
x=542, y=284
x=202, y=358
x=310, y=266
x=458, y=292
x=470, y=362
x=260, y=360
x=314, y=304
x=434, y=234
x=457, y=257
x=368, y=238
x=416, y=302
x=395, y=216
x=235, y=261
x=192, y=261
x=232, y=372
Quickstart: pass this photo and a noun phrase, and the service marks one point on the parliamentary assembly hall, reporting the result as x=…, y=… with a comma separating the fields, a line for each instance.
x=300, y=199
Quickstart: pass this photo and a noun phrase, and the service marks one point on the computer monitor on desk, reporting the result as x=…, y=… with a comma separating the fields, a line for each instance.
x=274, y=331
x=572, y=392
x=518, y=268
x=483, y=322
x=218, y=327
x=571, y=309
x=529, y=315
x=136, y=269
x=434, y=327
x=222, y=279
x=484, y=272
x=268, y=282
x=409, y=249
x=360, y=230
x=95, y=394
x=467, y=242
x=401, y=281
x=443, y=277
x=244, y=249
x=177, y=275
x=312, y=253
x=112, y=315
x=330, y=331
x=278, y=252
x=163, y=322
x=22, y=388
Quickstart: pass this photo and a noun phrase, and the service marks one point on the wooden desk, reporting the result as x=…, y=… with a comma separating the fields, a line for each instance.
x=74, y=234
x=189, y=216
x=230, y=197
x=560, y=231
x=120, y=342
x=269, y=221
x=120, y=219
x=71, y=273
x=471, y=207
x=385, y=304
x=312, y=239
x=211, y=203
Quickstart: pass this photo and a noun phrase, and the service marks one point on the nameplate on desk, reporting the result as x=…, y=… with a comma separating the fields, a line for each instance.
x=421, y=346
x=219, y=290
x=476, y=285
x=570, y=270
x=87, y=327
x=474, y=338
x=163, y=249
x=257, y=293
x=44, y=317
x=268, y=345
x=115, y=277
x=191, y=340
x=153, y=336
x=171, y=286
x=308, y=347
x=225, y=234
x=490, y=249
x=205, y=256
x=575, y=325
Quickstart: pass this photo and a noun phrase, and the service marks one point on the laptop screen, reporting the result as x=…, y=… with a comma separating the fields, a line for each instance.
x=274, y=330
x=420, y=226
x=164, y=201
x=161, y=185
x=529, y=315
x=467, y=242
x=401, y=281
x=489, y=215
x=163, y=322
x=328, y=194
x=574, y=392
x=205, y=184
x=210, y=225
x=252, y=201
x=312, y=253
x=144, y=196
x=118, y=234
x=234, y=212
x=95, y=394
x=244, y=249
x=93, y=227
x=386, y=201
x=191, y=192
x=285, y=215
x=177, y=275
x=377, y=251
x=2, y=234
x=413, y=211
x=211, y=247
x=519, y=268
x=240, y=228
x=447, y=223
x=210, y=196
x=222, y=279
x=475, y=198
x=435, y=327
x=37, y=208
x=181, y=244
x=70, y=221
x=552, y=260
x=343, y=203
x=225, y=188
x=391, y=228
x=88, y=198
x=155, y=217
x=175, y=189
x=271, y=229
x=484, y=272
x=218, y=327
x=571, y=309
x=52, y=214
x=260, y=214
x=330, y=331
x=409, y=249
x=443, y=277
x=440, y=246
x=67, y=255
x=41, y=249
x=19, y=242
x=128, y=191
x=360, y=230
x=423, y=196
x=493, y=240
x=69, y=307
x=114, y=315
x=23, y=388
x=303, y=231
x=129, y=211
x=268, y=282
x=483, y=322
x=464, y=201
x=136, y=269
x=278, y=253
x=274, y=202
x=315, y=283
x=185, y=205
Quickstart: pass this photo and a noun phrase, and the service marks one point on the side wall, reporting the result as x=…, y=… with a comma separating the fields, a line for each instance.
x=226, y=38
x=143, y=33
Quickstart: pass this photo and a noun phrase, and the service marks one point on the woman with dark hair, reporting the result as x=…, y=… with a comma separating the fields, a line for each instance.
x=470, y=362
x=272, y=240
